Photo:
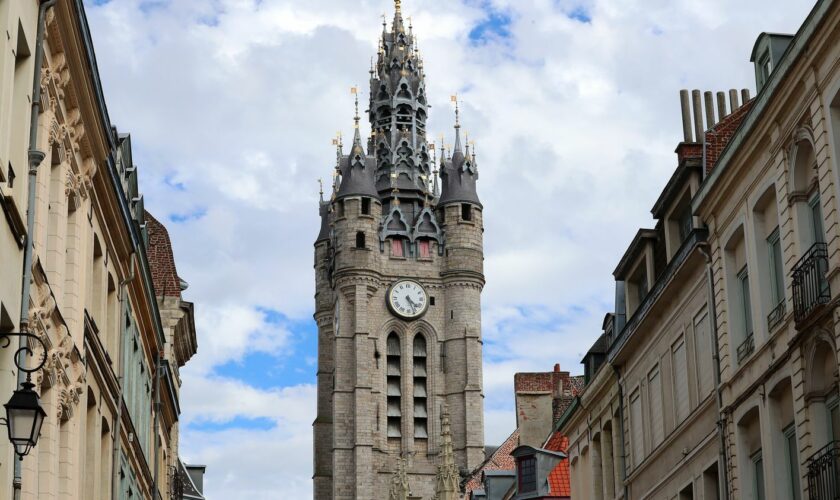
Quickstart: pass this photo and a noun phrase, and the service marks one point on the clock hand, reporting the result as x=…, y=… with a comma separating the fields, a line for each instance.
x=411, y=303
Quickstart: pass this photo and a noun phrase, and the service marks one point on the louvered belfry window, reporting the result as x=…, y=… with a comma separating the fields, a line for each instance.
x=393, y=390
x=421, y=413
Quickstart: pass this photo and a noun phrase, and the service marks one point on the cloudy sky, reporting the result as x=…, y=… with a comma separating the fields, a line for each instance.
x=232, y=104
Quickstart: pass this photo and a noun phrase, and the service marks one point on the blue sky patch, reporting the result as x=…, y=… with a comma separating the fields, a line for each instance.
x=259, y=423
x=580, y=14
x=194, y=215
x=265, y=370
x=170, y=181
x=495, y=26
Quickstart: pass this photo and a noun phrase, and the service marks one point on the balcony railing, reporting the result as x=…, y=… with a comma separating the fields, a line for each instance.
x=824, y=473
x=810, y=286
x=746, y=348
x=776, y=316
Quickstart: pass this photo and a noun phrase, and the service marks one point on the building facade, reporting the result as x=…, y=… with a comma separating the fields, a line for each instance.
x=399, y=275
x=76, y=247
x=719, y=369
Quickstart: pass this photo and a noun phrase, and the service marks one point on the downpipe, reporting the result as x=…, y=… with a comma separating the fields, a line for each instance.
x=35, y=157
x=721, y=422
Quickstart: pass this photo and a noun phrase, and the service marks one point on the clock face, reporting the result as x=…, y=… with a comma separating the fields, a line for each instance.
x=407, y=299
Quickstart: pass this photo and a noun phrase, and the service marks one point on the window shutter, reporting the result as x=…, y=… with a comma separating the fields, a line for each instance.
x=421, y=415
x=703, y=341
x=393, y=387
x=637, y=436
x=680, y=381
x=656, y=420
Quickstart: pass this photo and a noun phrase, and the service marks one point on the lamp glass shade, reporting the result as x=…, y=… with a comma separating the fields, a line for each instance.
x=25, y=416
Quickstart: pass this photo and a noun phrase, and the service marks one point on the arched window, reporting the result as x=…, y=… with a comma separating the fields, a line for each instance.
x=421, y=413
x=393, y=390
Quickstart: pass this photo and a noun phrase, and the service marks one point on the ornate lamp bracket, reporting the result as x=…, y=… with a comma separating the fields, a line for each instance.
x=6, y=341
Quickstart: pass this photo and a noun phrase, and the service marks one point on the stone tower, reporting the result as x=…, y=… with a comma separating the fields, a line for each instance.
x=399, y=274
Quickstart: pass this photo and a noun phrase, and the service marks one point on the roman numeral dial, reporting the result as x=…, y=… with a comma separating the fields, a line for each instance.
x=407, y=299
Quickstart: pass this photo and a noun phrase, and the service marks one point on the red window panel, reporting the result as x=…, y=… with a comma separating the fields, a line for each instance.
x=397, y=248
x=425, y=249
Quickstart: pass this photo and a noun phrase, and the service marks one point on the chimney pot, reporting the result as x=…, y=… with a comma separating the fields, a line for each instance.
x=557, y=367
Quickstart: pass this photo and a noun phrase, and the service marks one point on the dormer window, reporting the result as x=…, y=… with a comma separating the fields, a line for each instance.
x=527, y=474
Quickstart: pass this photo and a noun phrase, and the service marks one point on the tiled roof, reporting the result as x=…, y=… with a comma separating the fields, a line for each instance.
x=501, y=459
x=162, y=260
x=558, y=479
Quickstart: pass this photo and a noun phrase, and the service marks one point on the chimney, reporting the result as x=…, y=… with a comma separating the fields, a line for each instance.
x=536, y=396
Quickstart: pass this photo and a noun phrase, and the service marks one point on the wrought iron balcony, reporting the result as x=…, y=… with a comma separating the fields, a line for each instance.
x=776, y=316
x=824, y=473
x=810, y=286
x=746, y=348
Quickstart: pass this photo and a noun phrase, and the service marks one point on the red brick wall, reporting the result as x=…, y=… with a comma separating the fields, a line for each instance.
x=162, y=260
x=718, y=137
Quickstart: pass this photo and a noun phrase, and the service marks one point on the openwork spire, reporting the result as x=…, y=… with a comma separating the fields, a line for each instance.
x=398, y=113
x=400, y=489
x=447, y=472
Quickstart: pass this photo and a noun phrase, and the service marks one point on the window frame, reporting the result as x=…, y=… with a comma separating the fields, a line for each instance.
x=746, y=301
x=531, y=485
x=792, y=458
x=757, y=460
x=777, y=273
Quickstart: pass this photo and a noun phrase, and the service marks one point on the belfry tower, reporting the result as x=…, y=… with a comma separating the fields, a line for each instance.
x=399, y=274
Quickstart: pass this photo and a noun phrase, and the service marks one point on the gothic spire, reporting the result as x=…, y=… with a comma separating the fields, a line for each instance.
x=447, y=487
x=356, y=169
x=458, y=174
x=398, y=112
x=399, y=482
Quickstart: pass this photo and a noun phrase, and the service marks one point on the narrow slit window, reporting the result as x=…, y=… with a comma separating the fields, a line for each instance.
x=360, y=239
x=394, y=389
x=365, y=206
x=466, y=212
x=421, y=413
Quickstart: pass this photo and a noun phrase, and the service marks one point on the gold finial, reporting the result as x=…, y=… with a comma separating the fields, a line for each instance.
x=355, y=92
x=454, y=99
x=321, y=187
x=398, y=5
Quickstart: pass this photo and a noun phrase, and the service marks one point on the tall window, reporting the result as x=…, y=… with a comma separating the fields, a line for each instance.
x=817, y=233
x=421, y=414
x=758, y=475
x=638, y=435
x=680, y=380
x=655, y=390
x=777, y=272
x=746, y=304
x=424, y=248
x=394, y=391
x=793, y=460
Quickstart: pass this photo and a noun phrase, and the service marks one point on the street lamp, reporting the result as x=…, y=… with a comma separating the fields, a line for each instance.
x=24, y=417
x=24, y=414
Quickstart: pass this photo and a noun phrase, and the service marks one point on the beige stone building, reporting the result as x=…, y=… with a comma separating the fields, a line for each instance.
x=76, y=245
x=717, y=377
x=399, y=275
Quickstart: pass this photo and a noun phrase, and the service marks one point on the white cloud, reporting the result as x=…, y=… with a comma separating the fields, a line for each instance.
x=575, y=125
